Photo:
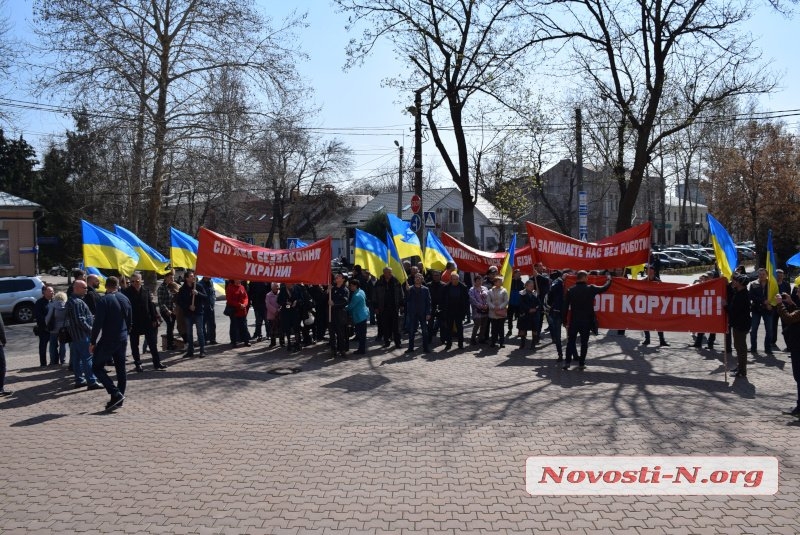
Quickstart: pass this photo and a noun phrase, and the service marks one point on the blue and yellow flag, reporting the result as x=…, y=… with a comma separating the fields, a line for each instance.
x=100, y=277
x=371, y=253
x=406, y=242
x=182, y=249
x=149, y=258
x=724, y=248
x=772, y=277
x=394, y=260
x=103, y=249
x=507, y=269
x=436, y=256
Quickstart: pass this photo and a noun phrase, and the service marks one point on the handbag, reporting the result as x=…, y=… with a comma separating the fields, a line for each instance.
x=501, y=312
x=64, y=336
x=229, y=310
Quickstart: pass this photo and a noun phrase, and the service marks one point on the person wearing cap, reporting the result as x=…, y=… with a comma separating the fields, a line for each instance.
x=739, y=321
x=491, y=274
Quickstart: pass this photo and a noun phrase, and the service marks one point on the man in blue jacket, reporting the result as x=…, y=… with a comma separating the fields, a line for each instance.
x=114, y=320
x=418, y=310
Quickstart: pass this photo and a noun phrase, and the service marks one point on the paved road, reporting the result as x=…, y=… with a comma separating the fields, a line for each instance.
x=385, y=443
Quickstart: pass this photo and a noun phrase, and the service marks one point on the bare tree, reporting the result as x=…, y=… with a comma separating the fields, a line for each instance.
x=462, y=54
x=9, y=50
x=149, y=59
x=644, y=56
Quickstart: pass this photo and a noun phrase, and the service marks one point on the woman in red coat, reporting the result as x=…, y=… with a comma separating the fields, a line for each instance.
x=237, y=304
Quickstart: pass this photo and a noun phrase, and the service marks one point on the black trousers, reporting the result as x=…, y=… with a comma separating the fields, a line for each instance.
x=152, y=344
x=390, y=326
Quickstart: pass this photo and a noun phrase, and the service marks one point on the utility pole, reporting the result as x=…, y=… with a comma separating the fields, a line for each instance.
x=400, y=182
x=583, y=206
x=418, y=157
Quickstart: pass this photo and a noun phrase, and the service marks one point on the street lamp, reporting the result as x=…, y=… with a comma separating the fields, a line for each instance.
x=399, y=182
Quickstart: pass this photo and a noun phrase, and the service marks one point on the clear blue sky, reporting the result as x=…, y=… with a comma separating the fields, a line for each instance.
x=369, y=117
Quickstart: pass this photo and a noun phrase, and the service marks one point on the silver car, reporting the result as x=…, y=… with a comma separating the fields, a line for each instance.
x=18, y=295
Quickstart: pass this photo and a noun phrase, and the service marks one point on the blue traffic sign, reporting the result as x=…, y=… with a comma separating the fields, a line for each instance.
x=416, y=222
x=430, y=219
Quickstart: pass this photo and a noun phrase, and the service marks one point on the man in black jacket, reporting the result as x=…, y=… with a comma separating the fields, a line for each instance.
x=455, y=304
x=192, y=298
x=389, y=301
x=145, y=322
x=579, y=309
x=740, y=322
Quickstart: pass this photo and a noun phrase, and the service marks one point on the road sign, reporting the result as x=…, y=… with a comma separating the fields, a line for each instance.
x=291, y=243
x=416, y=222
x=430, y=219
x=416, y=204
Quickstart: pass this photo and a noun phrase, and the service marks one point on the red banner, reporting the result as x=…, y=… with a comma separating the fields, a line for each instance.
x=557, y=251
x=523, y=260
x=220, y=256
x=468, y=258
x=660, y=306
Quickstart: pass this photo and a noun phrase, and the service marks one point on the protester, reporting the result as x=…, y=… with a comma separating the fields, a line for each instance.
x=257, y=295
x=740, y=322
x=339, y=298
x=652, y=277
x=555, y=305
x=274, y=315
x=455, y=305
x=760, y=308
x=113, y=320
x=237, y=304
x=436, y=287
x=389, y=301
x=79, y=325
x=192, y=299
x=514, y=298
x=497, y=300
x=209, y=323
x=55, y=320
x=529, y=312
x=790, y=319
x=144, y=323
x=783, y=288
x=418, y=312
x=479, y=301
x=579, y=307
x=40, y=309
x=359, y=314
x=290, y=299
x=165, y=308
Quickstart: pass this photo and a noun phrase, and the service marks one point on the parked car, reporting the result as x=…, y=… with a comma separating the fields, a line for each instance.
x=668, y=262
x=58, y=271
x=18, y=295
x=745, y=253
x=690, y=260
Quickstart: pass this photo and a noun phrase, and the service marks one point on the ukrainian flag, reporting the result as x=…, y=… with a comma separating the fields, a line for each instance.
x=371, y=253
x=724, y=248
x=100, y=276
x=772, y=277
x=406, y=242
x=436, y=256
x=507, y=269
x=149, y=258
x=103, y=249
x=182, y=249
x=394, y=260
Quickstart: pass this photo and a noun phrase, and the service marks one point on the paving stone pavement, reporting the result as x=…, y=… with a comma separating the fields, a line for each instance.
x=386, y=443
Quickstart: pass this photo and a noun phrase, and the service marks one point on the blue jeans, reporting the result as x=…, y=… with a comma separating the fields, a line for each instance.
x=82, y=361
x=208, y=323
x=117, y=352
x=58, y=350
x=191, y=322
x=414, y=320
x=754, y=322
x=554, y=319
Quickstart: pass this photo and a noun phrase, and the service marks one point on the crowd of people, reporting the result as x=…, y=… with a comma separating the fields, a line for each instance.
x=430, y=302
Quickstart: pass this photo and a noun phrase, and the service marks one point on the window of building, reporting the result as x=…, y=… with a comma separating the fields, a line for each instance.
x=453, y=216
x=5, y=249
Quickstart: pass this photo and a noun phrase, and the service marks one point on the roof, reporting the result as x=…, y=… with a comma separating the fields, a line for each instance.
x=11, y=201
x=387, y=202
